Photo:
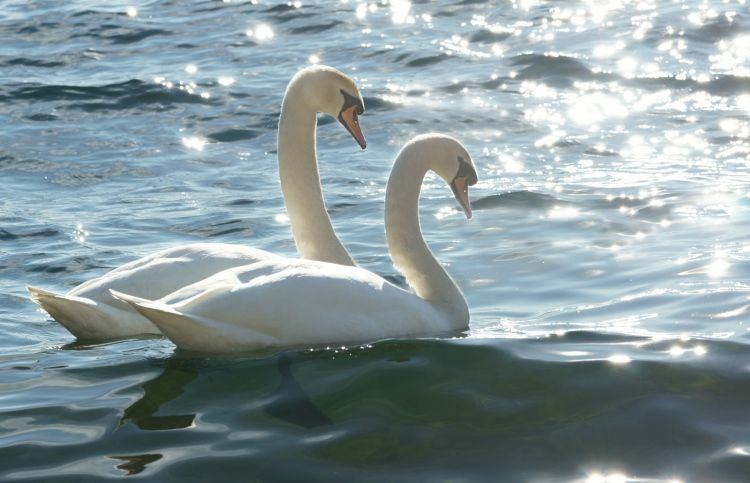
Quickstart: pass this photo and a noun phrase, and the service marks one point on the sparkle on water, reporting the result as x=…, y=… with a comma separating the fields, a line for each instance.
x=261, y=32
x=612, y=139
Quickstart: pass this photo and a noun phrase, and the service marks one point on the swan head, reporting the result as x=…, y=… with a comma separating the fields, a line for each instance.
x=447, y=157
x=334, y=93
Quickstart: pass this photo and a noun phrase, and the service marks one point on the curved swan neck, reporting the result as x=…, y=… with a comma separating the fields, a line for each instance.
x=300, y=182
x=407, y=247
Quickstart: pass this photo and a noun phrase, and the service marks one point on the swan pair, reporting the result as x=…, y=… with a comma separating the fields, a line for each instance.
x=222, y=298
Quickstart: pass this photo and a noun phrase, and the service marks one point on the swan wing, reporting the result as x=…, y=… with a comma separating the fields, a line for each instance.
x=196, y=333
x=87, y=319
x=90, y=312
x=161, y=273
x=289, y=302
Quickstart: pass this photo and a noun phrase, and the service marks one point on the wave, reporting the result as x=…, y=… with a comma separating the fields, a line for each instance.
x=715, y=30
x=589, y=336
x=6, y=235
x=28, y=165
x=721, y=84
x=281, y=8
x=375, y=104
x=562, y=71
x=27, y=62
x=131, y=94
x=241, y=202
x=42, y=117
x=485, y=36
x=429, y=60
x=517, y=199
x=222, y=228
x=415, y=410
x=232, y=135
x=134, y=36
x=557, y=70
x=315, y=28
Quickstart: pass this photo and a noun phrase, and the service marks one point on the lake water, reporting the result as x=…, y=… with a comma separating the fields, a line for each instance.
x=607, y=266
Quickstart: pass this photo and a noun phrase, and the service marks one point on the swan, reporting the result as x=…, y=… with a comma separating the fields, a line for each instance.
x=90, y=312
x=290, y=302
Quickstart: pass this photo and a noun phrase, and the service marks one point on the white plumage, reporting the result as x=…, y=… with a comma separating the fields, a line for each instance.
x=286, y=302
x=90, y=312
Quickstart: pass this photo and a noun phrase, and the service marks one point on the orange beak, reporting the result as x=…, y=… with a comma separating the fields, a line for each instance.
x=460, y=187
x=350, y=121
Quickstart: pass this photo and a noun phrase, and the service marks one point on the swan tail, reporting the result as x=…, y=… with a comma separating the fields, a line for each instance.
x=87, y=319
x=196, y=333
x=39, y=295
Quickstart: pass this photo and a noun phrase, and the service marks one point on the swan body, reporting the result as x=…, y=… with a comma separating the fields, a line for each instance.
x=90, y=312
x=286, y=302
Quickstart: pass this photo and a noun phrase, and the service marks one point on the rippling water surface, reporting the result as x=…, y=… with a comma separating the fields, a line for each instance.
x=606, y=266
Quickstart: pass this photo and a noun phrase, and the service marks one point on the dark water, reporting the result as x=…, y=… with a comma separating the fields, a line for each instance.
x=606, y=266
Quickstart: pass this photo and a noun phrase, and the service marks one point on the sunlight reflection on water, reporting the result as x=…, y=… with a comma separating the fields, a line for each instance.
x=607, y=258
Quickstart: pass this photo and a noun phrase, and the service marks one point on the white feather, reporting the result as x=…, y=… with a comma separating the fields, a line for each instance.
x=90, y=312
x=288, y=302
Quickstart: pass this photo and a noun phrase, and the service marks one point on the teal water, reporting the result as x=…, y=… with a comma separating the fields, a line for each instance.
x=606, y=265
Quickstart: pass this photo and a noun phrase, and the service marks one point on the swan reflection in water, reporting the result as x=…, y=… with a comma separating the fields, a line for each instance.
x=291, y=403
x=288, y=402
x=165, y=387
x=135, y=464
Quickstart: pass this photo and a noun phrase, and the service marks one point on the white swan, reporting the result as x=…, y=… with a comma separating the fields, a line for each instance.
x=90, y=312
x=284, y=301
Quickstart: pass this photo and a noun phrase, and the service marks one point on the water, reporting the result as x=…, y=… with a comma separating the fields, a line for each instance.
x=606, y=265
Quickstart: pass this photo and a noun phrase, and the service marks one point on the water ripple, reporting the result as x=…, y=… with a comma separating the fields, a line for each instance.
x=131, y=94
x=606, y=265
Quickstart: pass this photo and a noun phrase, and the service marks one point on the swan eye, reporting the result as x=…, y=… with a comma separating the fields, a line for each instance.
x=466, y=170
x=352, y=101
